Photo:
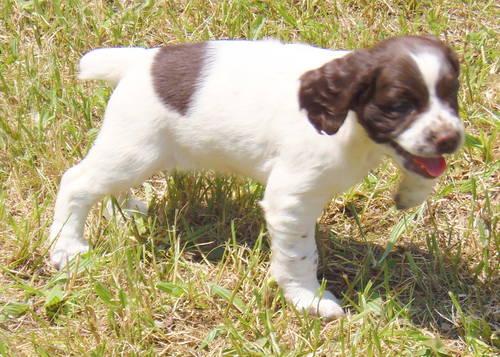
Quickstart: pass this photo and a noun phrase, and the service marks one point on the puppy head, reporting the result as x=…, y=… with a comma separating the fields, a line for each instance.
x=404, y=92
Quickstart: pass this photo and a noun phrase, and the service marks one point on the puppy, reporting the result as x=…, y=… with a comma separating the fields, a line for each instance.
x=305, y=122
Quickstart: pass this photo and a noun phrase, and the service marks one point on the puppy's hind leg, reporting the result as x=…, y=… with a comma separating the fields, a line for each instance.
x=129, y=148
x=124, y=205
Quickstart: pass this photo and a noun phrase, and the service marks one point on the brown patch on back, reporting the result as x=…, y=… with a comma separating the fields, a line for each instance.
x=176, y=71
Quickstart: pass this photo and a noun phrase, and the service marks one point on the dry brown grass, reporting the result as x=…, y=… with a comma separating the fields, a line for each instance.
x=157, y=285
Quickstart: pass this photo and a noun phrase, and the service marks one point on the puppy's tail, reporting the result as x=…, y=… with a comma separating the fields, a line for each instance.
x=110, y=64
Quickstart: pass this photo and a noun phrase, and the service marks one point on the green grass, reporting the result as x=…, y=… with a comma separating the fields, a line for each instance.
x=190, y=278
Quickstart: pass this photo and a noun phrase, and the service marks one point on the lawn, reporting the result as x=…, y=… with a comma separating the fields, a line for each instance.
x=190, y=278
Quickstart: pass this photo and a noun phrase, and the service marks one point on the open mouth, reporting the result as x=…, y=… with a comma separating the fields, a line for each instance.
x=429, y=167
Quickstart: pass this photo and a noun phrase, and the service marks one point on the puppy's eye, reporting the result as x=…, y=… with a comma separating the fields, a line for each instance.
x=401, y=107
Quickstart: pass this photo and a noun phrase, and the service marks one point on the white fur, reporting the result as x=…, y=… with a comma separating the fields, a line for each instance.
x=246, y=122
x=429, y=65
x=109, y=64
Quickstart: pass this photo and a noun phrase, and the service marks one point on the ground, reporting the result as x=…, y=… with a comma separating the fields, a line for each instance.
x=190, y=278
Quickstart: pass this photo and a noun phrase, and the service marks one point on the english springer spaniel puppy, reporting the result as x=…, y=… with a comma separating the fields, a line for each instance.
x=306, y=122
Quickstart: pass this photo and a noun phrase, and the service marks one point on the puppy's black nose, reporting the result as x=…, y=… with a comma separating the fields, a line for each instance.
x=446, y=143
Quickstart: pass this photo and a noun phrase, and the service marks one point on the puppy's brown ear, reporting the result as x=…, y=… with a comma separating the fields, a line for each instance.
x=329, y=92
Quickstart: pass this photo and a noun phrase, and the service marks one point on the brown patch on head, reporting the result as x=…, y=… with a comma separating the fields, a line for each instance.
x=447, y=85
x=383, y=85
x=328, y=93
x=398, y=95
x=447, y=90
x=176, y=71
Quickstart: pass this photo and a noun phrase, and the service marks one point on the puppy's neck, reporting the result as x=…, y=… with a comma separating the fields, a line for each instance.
x=354, y=138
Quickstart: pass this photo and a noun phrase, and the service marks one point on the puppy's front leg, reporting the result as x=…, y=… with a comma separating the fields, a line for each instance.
x=291, y=218
x=413, y=190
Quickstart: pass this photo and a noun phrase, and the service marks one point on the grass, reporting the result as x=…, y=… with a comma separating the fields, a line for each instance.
x=190, y=278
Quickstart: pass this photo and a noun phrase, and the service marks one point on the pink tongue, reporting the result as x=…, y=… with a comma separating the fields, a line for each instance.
x=434, y=166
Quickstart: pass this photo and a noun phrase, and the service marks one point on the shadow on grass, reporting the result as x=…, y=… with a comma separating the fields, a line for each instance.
x=422, y=281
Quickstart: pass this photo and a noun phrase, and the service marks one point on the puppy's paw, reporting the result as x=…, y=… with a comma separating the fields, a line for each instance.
x=326, y=306
x=413, y=191
x=408, y=199
x=65, y=250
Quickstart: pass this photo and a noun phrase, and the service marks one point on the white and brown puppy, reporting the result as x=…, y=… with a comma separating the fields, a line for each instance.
x=306, y=122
